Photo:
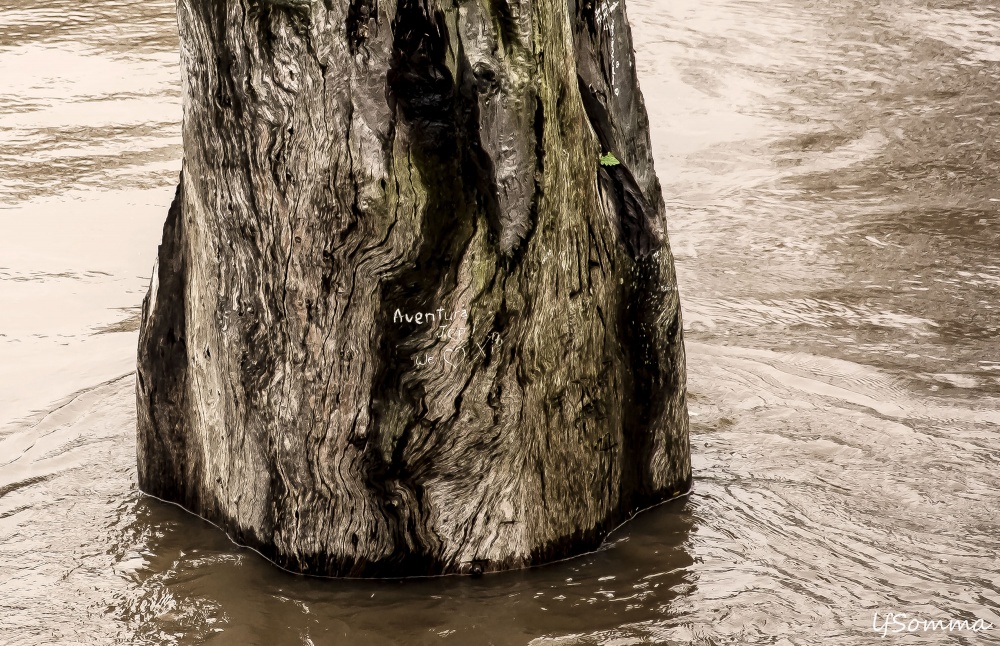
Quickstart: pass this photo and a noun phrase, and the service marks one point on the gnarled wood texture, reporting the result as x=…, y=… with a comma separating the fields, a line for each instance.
x=403, y=321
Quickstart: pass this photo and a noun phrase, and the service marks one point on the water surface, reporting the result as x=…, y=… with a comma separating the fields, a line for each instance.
x=831, y=176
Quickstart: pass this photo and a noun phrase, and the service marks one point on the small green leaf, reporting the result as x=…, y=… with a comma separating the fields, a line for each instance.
x=609, y=159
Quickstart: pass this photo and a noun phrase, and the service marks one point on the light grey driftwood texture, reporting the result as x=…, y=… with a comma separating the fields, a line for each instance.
x=351, y=164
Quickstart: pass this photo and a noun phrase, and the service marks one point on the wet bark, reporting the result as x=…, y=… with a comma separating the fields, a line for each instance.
x=403, y=320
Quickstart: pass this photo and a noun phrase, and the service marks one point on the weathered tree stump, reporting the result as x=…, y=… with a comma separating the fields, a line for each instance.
x=404, y=320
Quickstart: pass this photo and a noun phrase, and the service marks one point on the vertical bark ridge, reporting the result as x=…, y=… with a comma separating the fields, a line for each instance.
x=161, y=374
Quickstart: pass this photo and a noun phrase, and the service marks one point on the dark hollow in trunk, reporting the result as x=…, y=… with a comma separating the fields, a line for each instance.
x=404, y=321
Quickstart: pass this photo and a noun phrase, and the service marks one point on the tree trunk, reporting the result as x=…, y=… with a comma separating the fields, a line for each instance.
x=405, y=320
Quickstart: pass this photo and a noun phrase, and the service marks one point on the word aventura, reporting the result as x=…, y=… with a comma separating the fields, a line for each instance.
x=437, y=316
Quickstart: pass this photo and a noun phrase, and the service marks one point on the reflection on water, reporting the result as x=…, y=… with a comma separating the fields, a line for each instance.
x=90, y=96
x=830, y=170
x=89, y=143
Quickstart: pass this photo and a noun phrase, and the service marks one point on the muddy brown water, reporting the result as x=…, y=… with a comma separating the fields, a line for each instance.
x=831, y=173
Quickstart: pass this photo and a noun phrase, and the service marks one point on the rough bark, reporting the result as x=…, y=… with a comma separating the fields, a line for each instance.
x=349, y=164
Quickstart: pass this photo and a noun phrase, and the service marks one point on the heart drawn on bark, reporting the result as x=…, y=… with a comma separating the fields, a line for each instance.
x=452, y=351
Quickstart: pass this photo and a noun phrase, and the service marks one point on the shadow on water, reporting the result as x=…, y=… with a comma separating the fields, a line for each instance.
x=215, y=592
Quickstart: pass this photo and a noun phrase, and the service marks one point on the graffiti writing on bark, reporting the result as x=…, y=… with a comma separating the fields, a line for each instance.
x=454, y=338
